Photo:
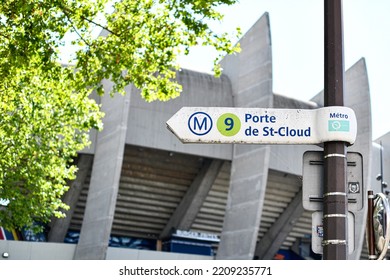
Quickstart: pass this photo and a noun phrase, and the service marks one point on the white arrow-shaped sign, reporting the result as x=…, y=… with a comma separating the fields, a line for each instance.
x=264, y=126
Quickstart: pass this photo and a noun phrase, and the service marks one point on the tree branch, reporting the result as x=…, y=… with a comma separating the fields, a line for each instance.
x=74, y=28
x=67, y=11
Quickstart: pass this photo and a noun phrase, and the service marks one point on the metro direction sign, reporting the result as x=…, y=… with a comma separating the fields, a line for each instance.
x=264, y=126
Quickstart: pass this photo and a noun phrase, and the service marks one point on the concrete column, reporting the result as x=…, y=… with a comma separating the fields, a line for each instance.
x=59, y=227
x=274, y=238
x=106, y=171
x=250, y=73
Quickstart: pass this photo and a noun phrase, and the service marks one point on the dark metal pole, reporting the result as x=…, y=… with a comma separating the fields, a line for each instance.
x=370, y=227
x=335, y=161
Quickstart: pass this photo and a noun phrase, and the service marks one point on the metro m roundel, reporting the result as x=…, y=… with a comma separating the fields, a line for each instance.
x=200, y=123
x=264, y=125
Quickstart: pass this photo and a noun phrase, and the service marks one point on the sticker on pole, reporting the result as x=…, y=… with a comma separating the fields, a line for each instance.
x=264, y=126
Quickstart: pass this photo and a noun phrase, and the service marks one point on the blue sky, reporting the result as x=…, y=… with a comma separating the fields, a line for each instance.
x=297, y=46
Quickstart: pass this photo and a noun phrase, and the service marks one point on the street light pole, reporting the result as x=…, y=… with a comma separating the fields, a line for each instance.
x=335, y=199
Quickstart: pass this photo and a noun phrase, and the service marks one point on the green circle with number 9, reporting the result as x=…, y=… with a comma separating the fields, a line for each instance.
x=228, y=124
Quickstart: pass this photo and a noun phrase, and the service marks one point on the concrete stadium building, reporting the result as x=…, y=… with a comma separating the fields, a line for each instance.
x=137, y=181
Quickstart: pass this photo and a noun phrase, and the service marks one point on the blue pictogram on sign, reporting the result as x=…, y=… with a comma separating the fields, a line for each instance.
x=200, y=123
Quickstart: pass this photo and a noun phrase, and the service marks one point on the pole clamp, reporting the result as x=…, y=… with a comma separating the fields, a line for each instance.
x=372, y=257
x=335, y=155
x=335, y=216
x=334, y=242
x=335, y=193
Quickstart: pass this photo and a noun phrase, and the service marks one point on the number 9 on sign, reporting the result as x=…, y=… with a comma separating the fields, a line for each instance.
x=228, y=124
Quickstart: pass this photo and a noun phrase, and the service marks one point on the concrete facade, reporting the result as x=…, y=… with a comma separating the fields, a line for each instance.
x=251, y=76
x=380, y=161
x=249, y=195
x=107, y=165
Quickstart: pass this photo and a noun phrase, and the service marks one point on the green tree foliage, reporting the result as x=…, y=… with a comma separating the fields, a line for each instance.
x=46, y=111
